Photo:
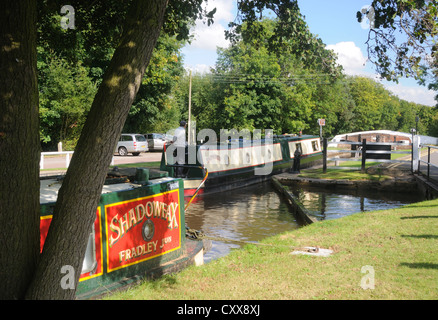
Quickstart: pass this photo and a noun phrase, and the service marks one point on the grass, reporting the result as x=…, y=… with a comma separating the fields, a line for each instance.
x=399, y=244
x=348, y=174
x=154, y=164
x=340, y=174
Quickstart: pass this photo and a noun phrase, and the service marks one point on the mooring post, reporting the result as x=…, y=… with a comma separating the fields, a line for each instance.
x=364, y=154
x=324, y=155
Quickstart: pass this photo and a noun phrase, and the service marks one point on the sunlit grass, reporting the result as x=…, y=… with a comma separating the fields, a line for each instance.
x=398, y=244
x=340, y=174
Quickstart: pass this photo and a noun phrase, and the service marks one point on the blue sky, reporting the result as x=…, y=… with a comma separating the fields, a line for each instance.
x=334, y=21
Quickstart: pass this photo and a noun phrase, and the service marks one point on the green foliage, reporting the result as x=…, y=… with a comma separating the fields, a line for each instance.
x=255, y=86
x=290, y=36
x=155, y=108
x=276, y=74
x=403, y=39
x=66, y=94
x=71, y=64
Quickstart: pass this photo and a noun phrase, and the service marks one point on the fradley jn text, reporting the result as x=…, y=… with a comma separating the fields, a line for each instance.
x=144, y=249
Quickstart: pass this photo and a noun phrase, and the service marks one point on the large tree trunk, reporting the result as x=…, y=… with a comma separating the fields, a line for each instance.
x=19, y=148
x=79, y=195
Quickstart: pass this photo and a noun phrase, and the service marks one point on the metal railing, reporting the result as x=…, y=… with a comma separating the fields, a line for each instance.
x=66, y=153
x=361, y=154
x=427, y=163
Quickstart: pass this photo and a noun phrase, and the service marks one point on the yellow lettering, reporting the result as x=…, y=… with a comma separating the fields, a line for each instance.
x=128, y=254
x=164, y=211
x=114, y=228
x=149, y=209
x=157, y=209
x=140, y=210
x=123, y=224
x=172, y=221
x=132, y=218
x=133, y=253
x=140, y=250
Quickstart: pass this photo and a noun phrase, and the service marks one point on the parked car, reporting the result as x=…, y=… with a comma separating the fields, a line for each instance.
x=131, y=143
x=156, y=141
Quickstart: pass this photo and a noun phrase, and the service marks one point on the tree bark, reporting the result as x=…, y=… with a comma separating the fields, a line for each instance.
x=79, y=195
x=19, y=148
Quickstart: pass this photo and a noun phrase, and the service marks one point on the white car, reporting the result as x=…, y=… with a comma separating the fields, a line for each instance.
x=131, y=143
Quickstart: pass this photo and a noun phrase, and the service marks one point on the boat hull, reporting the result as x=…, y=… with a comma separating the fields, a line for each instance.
x=139, y=231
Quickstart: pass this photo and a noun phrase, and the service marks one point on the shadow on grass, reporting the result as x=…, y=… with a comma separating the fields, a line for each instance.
x=419, y=217
x=424, y=265
x=165, y=281
x=421, y=236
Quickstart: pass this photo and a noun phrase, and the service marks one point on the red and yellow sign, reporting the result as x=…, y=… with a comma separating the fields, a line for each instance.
x=142, y=228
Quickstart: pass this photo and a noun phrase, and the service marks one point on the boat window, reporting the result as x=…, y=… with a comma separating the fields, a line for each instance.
x=298, y=146
x=315, y=145
x=90, y=262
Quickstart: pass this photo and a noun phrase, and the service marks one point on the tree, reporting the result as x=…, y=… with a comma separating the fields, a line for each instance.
x=369, y=96
x=265, y=86
x=66, y=94
x=79, y=195
x=25, y=273
x=402, y=40
x=19, y=148
x=155, y=108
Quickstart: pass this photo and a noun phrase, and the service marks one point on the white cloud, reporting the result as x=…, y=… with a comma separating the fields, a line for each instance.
x=419, y=95
x=350, y=57
x=213, y=36
x=224, y=9
x=199, y=68
x=209, y=38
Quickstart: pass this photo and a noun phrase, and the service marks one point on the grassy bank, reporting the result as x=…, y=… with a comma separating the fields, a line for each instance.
x=399, y=244
x=339, y=174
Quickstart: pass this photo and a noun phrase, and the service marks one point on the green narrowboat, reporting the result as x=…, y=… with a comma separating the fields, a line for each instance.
x=139, y=231
x=239, y=163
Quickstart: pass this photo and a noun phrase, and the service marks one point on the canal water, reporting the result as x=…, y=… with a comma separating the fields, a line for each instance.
x=256, y=212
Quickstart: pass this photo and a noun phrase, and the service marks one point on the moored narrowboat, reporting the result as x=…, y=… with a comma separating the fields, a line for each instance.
x=139, y=231
x=239, y=163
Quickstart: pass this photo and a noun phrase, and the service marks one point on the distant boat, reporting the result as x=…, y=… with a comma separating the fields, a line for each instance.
x=239, y=163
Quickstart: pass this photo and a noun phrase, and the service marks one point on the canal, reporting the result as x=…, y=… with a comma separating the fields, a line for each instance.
x=256, y=212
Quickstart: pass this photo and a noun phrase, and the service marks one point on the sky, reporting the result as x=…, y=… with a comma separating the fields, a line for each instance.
x=334, y=21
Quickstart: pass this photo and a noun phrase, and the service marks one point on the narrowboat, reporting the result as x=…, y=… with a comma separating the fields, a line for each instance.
x=240, y=163
x=139, y=230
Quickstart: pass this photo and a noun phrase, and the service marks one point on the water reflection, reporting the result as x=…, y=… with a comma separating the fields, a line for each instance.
x=326, y=205
x=256, y=212
x=247, y=214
